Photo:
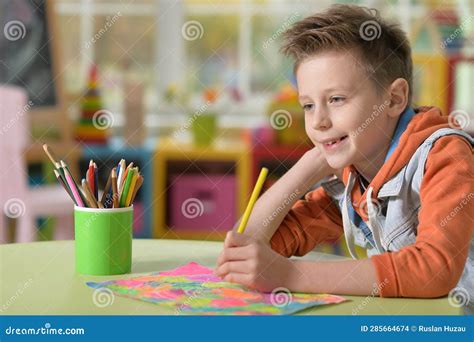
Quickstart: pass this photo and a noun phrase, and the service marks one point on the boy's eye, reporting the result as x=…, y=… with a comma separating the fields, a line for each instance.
x=308, y=107
x=336, y=99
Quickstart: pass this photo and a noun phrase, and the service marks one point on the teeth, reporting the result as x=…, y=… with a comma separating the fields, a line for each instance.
x=334, y=141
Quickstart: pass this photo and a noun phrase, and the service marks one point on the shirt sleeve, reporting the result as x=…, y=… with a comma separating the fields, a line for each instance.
x=309, y=222
x=433, y=265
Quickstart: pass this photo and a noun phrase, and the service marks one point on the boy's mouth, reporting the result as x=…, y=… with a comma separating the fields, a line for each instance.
x=331, y=144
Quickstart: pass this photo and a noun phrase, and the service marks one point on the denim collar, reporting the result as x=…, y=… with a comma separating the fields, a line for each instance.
x=402, y=124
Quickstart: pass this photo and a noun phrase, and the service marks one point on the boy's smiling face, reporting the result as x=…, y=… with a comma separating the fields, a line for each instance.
x=345, y=116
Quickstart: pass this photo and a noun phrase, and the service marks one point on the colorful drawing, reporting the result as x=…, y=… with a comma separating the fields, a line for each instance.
x=194, y=289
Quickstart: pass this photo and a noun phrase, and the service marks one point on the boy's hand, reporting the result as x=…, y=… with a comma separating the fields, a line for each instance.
x=317, y=162
x=252, y=263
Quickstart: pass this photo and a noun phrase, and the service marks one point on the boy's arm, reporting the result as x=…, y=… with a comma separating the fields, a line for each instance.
x=311, y=221
x=271, y=208
x=433, y=265
x=349, y=277
x=253, y=263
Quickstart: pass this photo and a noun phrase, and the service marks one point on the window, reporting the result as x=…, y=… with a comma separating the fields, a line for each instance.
x=195, y=44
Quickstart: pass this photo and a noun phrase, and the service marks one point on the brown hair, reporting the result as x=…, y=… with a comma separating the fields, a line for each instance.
x=382, y=46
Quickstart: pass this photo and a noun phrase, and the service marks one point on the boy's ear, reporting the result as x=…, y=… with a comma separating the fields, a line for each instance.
x=398, y=94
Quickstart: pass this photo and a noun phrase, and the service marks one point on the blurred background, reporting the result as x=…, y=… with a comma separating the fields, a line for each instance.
x=195, y=92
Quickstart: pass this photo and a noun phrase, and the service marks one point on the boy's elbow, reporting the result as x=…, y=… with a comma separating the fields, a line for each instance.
x=444, y=281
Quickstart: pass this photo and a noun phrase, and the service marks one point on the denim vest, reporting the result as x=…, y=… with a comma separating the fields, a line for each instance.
x=393, y=215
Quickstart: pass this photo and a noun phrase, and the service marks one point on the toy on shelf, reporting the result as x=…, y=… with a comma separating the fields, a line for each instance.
x=286, y=117
x=95, y=122
x=448, y=24
x=443, y=32
x=204, y=120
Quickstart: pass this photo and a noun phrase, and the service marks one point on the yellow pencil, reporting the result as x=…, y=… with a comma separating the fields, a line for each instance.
x=253, y=199
x=137, y=186
x=132, y=187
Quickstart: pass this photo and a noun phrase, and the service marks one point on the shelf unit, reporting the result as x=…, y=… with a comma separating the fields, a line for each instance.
x=174, y=159
x=277, y=158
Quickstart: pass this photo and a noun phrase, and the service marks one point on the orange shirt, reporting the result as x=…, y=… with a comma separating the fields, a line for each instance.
x=433, y=265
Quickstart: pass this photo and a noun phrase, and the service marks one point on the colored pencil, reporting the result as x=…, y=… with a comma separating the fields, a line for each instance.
x=126, y=187
x=90, y=176
x=253, y=199
x=104, y=200
x=66, y=170
x=89, y=197
x=114, y=188
x=57, y=166
x=120, y=190
x=50, y=155
x=73, y=186
x=120, y=171
x=137, y=187
x=132, y=187
x=60, y=179
x=96, y=182
x=124, y=177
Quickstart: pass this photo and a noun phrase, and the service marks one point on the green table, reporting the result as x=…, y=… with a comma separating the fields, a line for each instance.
x=39, y=279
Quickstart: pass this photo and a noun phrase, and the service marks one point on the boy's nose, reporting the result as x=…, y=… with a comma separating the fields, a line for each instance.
x=320, y=121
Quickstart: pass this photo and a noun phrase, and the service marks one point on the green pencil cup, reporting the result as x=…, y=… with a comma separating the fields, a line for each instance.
x=103, y=240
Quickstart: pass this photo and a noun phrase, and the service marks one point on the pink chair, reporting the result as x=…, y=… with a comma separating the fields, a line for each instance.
x=17, y=199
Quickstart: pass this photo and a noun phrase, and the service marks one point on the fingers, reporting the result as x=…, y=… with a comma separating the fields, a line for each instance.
x=234, y=239
x=233, y=254
x=239, y=278
x=232, y=267
x=235, y=272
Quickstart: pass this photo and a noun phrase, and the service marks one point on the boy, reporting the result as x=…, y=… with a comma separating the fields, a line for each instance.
x=403, y=187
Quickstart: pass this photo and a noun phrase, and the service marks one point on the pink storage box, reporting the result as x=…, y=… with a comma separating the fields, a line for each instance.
x=200, y=202
x=138, y=214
